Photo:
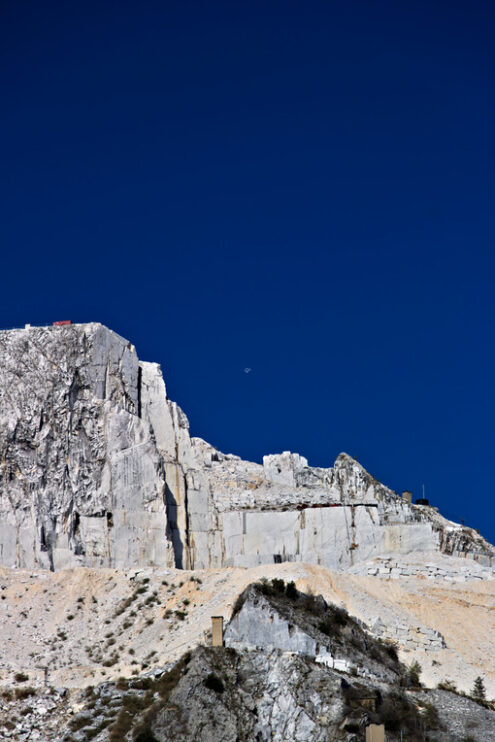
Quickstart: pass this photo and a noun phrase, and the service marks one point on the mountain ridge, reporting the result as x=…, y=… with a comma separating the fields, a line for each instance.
x=97, y=468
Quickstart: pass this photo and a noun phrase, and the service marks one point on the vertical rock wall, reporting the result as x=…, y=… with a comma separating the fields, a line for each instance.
x=81, y=481
x=97, y=467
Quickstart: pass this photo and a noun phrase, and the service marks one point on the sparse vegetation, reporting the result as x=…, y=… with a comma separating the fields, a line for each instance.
x=22, y=693
x=110, y=661
x=414, y=673
x=335, y=618
x=448, y=685
x=134, y=705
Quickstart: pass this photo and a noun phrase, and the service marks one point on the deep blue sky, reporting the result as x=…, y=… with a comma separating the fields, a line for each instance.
x=302, y=188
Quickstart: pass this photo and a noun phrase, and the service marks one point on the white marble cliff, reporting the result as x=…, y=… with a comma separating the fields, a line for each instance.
x=97, y=468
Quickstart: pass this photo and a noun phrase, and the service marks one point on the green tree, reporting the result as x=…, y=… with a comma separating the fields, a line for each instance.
x=478, y=692
x=415, y=671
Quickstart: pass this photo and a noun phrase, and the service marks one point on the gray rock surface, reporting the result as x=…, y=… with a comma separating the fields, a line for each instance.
x=81, y=480
x=98, y=468
x=306, y=625
x=221, y=694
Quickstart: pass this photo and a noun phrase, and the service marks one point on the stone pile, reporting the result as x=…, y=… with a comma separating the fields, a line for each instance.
x=447, y=570
x=29, y=714
x=410, y=636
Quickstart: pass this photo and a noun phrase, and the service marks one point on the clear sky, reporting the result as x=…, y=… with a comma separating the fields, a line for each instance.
x=305, y=189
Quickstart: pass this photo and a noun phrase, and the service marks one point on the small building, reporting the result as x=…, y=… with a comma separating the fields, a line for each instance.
x=375, y=733
x=217, y=631
x=407, y=496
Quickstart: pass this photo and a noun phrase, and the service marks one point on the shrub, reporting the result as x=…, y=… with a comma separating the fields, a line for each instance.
x=213, y=682
x=79, y=722
x=278, y=585
x=110, y=661
x=397, y=713
x=429, y=715
x=352, y=727
x=414, y=672
x=291, y=591
x=335, y=618
x=326, y=627
x=391, y=650
x=21, y=677
x=239, y=602
x=22, y=693
x=447, y=685
x=478, y=693
x=144, y=735
x=142, y=684
x=339, y=615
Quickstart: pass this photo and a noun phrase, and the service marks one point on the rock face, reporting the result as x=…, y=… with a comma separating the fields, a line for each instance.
x=81, y=480
x=97, y=468
x=268, y=619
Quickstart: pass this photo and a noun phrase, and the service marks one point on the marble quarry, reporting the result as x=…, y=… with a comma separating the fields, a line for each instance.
x=98, y=468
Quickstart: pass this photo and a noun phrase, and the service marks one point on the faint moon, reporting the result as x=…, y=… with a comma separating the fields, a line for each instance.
x=247, y=370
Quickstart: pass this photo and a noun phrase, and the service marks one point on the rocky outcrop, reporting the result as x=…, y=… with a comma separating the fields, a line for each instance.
x=269, y=617
x=97, y=468
x=81, y=480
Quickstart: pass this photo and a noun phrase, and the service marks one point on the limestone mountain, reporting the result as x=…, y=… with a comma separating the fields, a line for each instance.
x=97, y=468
